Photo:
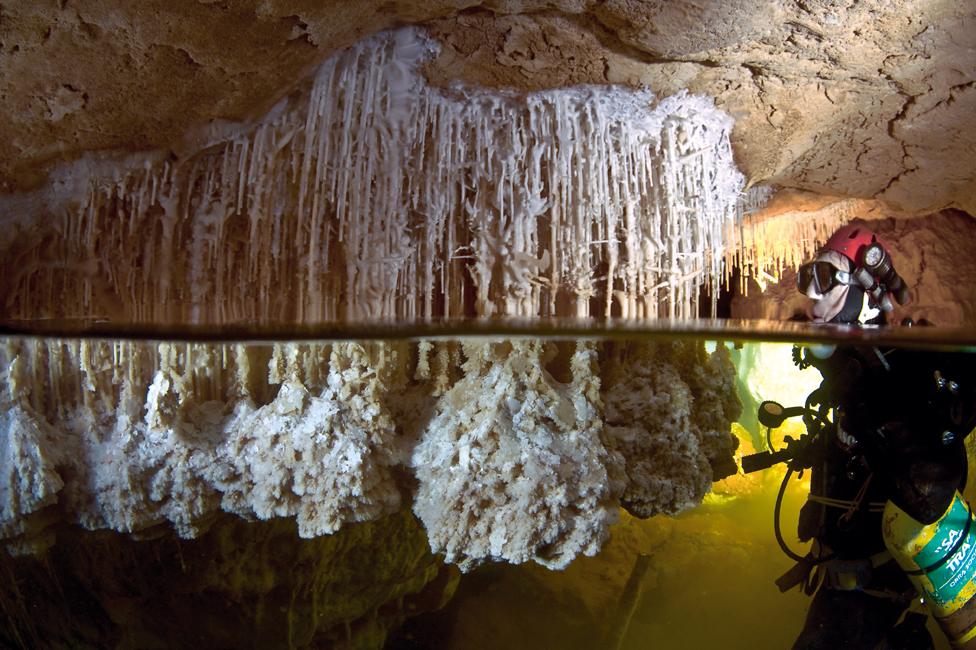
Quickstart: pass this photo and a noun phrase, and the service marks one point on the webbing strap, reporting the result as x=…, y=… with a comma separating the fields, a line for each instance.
x=964, y=637
x=873, y=506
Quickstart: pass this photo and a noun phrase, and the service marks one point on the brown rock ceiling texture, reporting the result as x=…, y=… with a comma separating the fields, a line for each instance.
x=867, y=98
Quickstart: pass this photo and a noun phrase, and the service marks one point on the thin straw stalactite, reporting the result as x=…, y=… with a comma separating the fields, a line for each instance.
x=763, y=247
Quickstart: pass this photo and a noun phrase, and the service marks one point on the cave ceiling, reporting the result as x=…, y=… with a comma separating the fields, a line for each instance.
x=854, y=98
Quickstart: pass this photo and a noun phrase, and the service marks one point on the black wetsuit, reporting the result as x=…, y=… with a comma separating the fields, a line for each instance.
x=903, y=415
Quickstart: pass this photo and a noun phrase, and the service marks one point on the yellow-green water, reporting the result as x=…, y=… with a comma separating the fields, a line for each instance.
x=709, y=584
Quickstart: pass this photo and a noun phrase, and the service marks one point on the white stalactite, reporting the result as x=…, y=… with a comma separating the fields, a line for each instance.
x=369, y=195
x=376, y=196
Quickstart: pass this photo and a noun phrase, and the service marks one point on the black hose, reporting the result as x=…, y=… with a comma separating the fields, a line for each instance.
x=815, y=421
x=776, y=512
x=779, y=532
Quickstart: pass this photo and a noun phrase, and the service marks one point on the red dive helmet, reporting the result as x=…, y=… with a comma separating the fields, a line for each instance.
x=873, y=269
x=851, y=241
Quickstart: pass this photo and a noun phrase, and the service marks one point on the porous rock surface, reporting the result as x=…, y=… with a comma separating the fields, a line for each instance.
x=666, y=408
x=868, y=99
x=509, y=452
x=499, y=458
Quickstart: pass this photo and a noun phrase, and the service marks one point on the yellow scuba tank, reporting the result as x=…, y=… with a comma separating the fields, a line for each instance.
x=940, y=560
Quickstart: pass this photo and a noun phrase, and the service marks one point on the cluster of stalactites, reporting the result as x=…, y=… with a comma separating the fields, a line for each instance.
x=372, y=195
x=764, y=246
x=500, y=458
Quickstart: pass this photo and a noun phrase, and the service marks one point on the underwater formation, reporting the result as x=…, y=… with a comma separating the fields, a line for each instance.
x=374, y=196
x=507, y=461
x=478, y=164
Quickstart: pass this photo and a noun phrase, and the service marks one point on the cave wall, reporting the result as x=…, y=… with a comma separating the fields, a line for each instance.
x=866, y=99
x=241, y=584
x=871, y=100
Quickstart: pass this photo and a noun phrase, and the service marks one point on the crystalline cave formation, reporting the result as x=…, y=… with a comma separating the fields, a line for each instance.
x=372, y=196
x=500, y=459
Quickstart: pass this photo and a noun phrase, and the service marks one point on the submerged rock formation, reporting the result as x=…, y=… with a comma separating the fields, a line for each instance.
x=500, y=459
x=514, y=464
x=294, y=164
x=668, y=411
x=503, y=158
x=239, y=585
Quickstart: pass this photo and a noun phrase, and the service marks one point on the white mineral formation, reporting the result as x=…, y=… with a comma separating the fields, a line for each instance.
x=512, y=466
x=504, y=460
x=126, y=435
x=373, y=195
x=768, y=242
x=668, y=409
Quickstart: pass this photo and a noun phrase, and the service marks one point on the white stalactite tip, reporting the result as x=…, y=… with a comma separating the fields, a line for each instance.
x=370, y=195
x=764, y=246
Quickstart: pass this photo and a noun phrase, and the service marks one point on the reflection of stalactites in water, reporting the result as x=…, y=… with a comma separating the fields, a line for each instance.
x=372, y=195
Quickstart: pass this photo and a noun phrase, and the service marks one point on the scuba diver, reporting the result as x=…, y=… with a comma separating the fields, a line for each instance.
x=885, y=446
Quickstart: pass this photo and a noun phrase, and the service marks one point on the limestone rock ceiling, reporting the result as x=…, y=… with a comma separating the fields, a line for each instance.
x=870, y=98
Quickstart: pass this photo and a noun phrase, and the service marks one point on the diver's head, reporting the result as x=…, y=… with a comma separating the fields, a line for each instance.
x=851, y=278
